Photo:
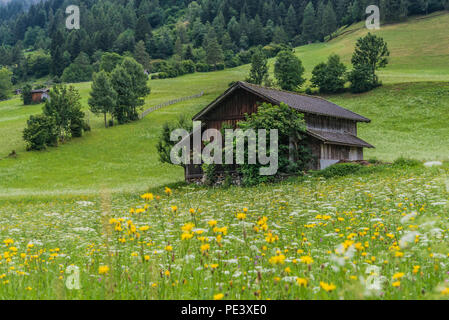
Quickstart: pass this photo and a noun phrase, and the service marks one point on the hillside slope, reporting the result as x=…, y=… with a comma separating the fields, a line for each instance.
x=407, y=118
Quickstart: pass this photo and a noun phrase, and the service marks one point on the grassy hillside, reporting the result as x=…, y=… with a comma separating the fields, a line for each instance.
x=419, y=49
x=406, y=118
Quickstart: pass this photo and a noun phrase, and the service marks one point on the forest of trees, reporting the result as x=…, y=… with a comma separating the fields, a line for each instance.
x=209, y=33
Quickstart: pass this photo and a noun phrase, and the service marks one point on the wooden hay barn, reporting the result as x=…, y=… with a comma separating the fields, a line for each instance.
x=331, y=129
x=40, y=95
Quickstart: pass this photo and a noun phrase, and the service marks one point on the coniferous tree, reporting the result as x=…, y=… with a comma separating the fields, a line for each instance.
x=214, y=54
x=141, y=55
x=102, y=96
x=291, y=22
x=329, y=23
x=309, y=27
x=259, y=67
x=143, y=29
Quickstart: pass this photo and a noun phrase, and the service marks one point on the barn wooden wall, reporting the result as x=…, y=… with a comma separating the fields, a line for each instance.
x=232, y=110
x=330, y=124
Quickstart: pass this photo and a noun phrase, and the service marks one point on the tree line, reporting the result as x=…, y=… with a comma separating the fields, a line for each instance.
x=371, y=53
x=209, y=33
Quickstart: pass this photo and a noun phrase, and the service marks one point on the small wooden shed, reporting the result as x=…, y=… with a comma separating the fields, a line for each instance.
x=40, y=95
x=332, y=130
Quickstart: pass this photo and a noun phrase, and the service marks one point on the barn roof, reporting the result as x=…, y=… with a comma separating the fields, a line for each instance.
x=40, y=91
x=344, y=139
x=300, y=102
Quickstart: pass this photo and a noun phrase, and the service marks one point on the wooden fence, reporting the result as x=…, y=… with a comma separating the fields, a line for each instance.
x=167, y=103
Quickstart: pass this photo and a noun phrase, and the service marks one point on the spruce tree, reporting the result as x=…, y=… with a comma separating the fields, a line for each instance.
x=329, y=23
x=259, y=68
x=102, y=96
x=309, y=28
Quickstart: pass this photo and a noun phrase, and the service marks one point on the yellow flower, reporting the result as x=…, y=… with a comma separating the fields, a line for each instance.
x=218, y=296
x=144, y=228
x=186, y=236
x=147, y=196
x=287, y=270
x=445, y=291
x=306, y=259
x=327, y=287
x=212, y=223
x=398, y=275
x=167, y=273
x=7, y=242
x=279, y=259
x=28, y=288
x=192, y=211
x=241, y=216
x=103, y=269
x=205, y=247
x=416, y=269
x=168, y=248
x=168, y=191
x=399, y=254
x=188, y=227
x=214, y=266
x=396, y=284
x=147, y=257
x=302, y=282
x=174, y=208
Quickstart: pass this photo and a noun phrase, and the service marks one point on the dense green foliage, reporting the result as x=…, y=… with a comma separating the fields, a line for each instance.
x=27, y=96
x=102, y=96
x=65, y=108
x=291, y=130
x=165, y=144
x=130, y=83
x=370, y=51
x=288, y=71
x=5, y=83
x=41, y=132
x=207, y=31
x=259, y=68
x=329, y=77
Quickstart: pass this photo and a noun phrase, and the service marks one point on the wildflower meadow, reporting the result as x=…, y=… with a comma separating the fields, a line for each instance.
x=378, y=235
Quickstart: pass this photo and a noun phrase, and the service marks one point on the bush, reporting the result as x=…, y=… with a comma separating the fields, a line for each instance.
x=188, y=66
x=290, y=125
x=27, y=97
x=80, y=70
x=202, y=67
x=41, y=132
x=404, y=162
x=329, y=77
x=219, y=66
x=210, y=173
x=340, y=170
x=361, y=79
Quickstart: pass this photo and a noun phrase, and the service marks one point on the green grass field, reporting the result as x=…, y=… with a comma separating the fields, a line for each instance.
x=56, y=205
